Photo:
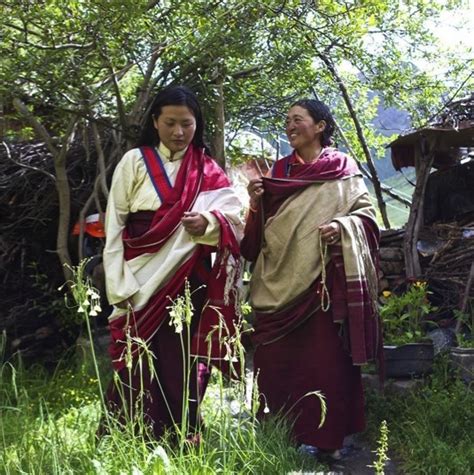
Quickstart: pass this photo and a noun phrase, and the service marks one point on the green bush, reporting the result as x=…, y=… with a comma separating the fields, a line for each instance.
x=404, y=316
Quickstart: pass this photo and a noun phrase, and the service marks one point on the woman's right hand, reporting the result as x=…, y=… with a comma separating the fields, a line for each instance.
x=255, y=190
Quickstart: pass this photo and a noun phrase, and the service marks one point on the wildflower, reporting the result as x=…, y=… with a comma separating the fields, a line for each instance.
x=386, y=293
x=97, y=308
x=86, y=303
x=160, y=453
x=175, y=319
x=93, y=313
x=80, y=309
x=266, y=410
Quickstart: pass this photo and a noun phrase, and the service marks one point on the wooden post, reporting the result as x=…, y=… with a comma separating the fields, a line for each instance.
x=424, y=156
x=465, y=299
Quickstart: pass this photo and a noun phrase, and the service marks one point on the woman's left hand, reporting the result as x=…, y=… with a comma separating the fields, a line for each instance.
x=194, y=223
x=330, y=233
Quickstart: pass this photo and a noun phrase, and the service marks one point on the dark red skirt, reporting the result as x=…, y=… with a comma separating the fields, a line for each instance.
x=312, y=358
x=157, y=393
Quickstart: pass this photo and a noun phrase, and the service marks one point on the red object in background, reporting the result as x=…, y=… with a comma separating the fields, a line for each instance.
x=92, y=226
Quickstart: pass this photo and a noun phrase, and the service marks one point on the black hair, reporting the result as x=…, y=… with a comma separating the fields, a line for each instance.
x=172, y=96
x=320, y=111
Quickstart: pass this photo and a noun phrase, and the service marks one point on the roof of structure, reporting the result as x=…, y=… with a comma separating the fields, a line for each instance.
x=453, y=128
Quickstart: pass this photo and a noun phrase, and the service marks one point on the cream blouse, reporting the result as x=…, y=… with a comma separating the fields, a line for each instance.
x=132, y=190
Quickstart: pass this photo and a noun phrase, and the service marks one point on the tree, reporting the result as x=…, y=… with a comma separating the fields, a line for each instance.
x=96, y=64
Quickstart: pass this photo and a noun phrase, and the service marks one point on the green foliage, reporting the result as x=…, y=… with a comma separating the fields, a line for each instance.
x=430, y=428
x=465, y=337
x=64, y=57
x=50, y=426
x=404, y=316
x=59, y=417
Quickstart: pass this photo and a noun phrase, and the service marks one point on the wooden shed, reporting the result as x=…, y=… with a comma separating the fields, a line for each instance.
x=443, y=198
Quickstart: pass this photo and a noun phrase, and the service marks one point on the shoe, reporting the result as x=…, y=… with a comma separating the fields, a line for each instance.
x=310, y=450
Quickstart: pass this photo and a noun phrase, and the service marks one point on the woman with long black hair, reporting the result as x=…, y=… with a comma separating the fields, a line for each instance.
x=170, y=207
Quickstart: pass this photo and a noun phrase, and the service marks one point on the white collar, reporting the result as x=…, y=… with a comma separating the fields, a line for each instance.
x=165, y=153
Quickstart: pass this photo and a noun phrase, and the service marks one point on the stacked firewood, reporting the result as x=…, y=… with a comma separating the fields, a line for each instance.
x=30, y=272
x=451, y=263
x=392, y=268
x=446, y=251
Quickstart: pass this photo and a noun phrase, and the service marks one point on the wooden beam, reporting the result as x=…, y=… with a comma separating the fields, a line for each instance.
x=424, y=157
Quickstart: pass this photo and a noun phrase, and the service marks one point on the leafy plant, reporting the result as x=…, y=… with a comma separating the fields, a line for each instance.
x=49, y=425
x=465, y=338
x=382, y=448
x=430, y=428
x=405, y=316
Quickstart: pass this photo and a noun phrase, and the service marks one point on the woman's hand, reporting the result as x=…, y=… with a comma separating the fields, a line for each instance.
x=255, y=190
x=330, y=233
x=194, y=223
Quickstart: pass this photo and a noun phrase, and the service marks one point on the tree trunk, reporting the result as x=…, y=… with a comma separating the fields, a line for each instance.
x=218, y=141
x=62, y=182
x=423, y=162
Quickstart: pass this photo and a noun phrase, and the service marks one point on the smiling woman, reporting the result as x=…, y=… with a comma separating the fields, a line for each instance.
x=170, y=207
x=313, y=237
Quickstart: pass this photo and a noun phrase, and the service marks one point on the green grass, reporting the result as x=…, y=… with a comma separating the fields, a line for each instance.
x=48, y=425
x=432, y=428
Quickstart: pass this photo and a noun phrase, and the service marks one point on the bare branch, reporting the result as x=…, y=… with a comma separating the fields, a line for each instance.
x=361, y=137
x=145, y=86
x=58, y=47
x=28, y=167
x=388, y=190
x=100, y=160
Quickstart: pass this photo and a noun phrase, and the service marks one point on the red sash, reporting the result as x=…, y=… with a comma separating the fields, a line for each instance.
x=157, y=173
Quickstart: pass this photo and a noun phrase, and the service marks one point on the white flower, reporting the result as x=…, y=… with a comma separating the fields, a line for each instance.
x=97, y=308
x=160, y=453
x=93, y=313
x=86, y=303
x=80, y=309
x=266, y=410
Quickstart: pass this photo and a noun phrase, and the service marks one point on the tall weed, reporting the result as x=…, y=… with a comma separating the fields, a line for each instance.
x=49, y=422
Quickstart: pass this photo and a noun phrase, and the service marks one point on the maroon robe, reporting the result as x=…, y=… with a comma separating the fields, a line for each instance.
x=301, y=348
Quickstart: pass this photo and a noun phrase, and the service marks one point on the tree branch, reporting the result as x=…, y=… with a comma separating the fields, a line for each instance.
x=361, y=137
x=100, y=160
x=28, y=167
x=37, y=126
x=388, y=190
